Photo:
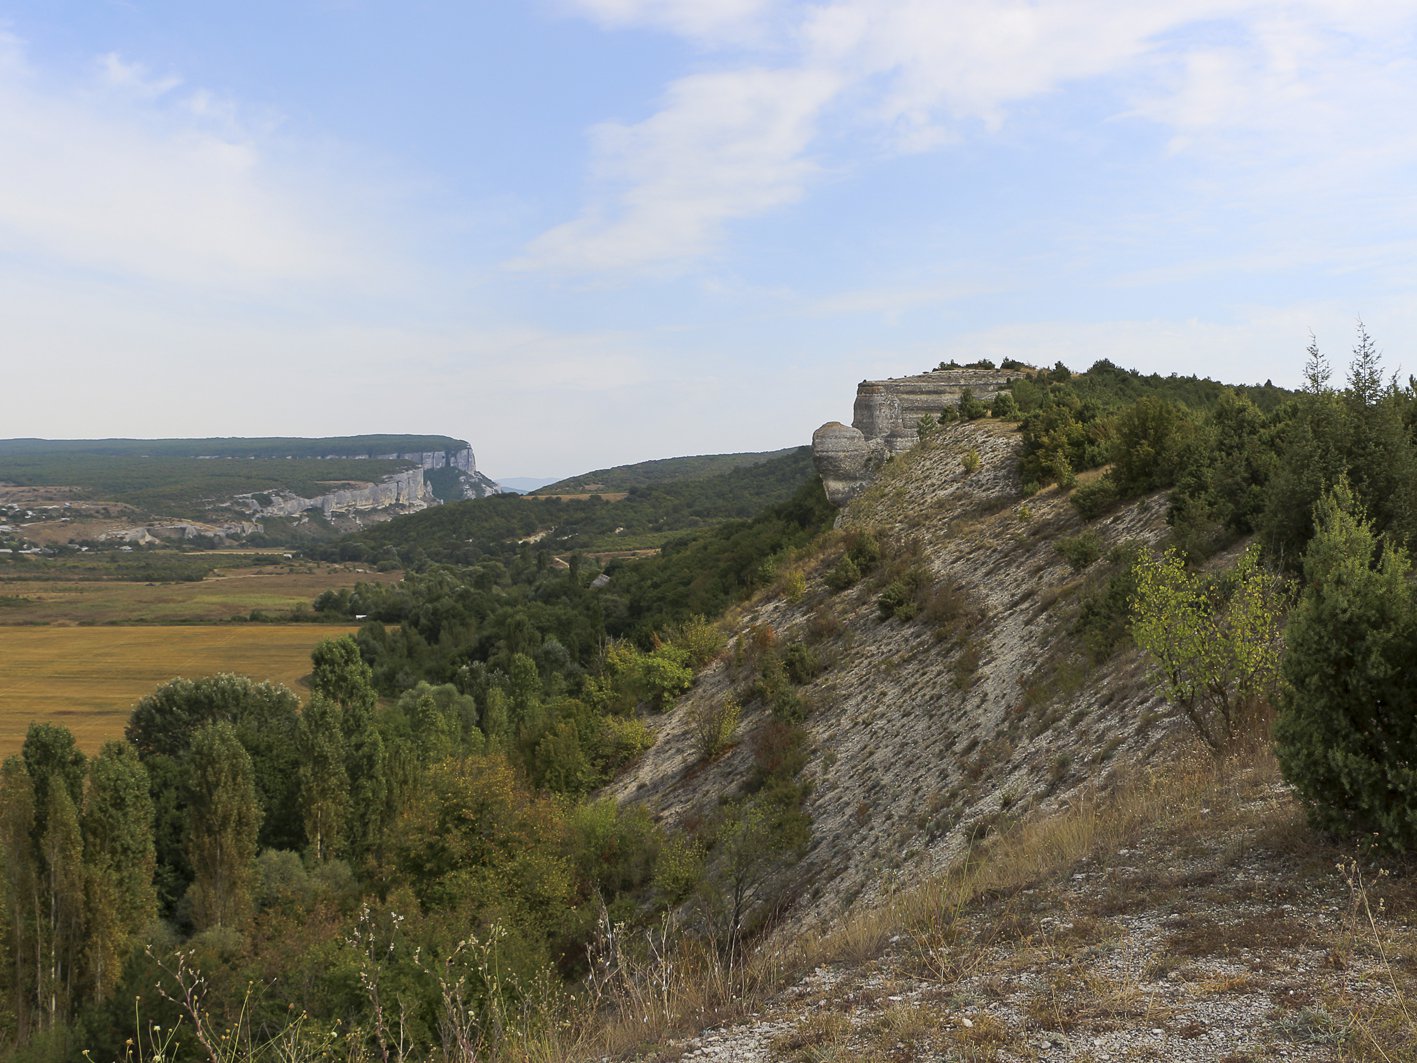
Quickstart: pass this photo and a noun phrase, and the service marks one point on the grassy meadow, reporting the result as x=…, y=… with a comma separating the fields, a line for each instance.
x=88, y=678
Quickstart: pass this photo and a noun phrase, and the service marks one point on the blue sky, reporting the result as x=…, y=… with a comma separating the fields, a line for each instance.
x=584, y=232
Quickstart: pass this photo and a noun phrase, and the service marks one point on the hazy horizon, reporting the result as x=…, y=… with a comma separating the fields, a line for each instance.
x=582, y=233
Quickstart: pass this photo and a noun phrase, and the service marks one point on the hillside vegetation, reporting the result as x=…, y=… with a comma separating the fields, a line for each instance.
x=939, y=783
x=658, y=471
x=492, y=528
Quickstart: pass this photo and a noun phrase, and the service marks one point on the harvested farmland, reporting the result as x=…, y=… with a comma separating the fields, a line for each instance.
x=88, y=678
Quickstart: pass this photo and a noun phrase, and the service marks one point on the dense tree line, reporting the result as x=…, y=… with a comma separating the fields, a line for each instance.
x=262, y=841
x=465, y=533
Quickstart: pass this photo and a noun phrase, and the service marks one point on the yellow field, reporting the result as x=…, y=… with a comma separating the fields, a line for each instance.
x=88, y=678
x=232, y=593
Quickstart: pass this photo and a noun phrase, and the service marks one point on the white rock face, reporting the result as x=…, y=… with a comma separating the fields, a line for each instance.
x=886, y=418
x=406, y=490
x=845, y=460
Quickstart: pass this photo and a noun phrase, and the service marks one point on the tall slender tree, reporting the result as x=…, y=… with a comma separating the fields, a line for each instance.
x=119, y=859
x=223, y=823
x=18, y=859
x=61, y=850
x=324, y=778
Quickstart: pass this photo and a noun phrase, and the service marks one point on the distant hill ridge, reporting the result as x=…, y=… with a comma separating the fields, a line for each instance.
x=385, y=446
x=659, y=471
x=234, y=488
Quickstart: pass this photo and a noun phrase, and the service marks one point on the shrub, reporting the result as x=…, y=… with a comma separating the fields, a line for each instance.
x=970, y=462
x=823, y=624
x=1080, y=550
x=794, y=585
x=714, y=722
x=1214, y=648
x=901, y=598
x=678, y=868
x=779, y=750
x=970, y=408
x=1004, y=407
x=1094, y=499
x=701, y=639
x=951, y=609
x=844, y=574
x=801, y=663
x=864, y=549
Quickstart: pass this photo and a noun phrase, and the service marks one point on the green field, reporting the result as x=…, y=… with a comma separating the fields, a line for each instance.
x=88, y=678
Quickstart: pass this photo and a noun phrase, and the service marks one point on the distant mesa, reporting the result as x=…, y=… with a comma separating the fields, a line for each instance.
x=884, y=423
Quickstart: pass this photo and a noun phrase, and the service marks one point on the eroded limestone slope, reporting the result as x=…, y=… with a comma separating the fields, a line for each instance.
x=913, y=751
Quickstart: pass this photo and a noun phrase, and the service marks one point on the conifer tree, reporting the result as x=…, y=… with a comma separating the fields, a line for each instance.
x=223, y=821
x=120, y=861
x=1346, y=737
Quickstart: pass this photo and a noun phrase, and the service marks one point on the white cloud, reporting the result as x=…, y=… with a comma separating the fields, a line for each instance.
x=705, y=21
x=1232, y=80
x=134, y=77
x=134, y=175
x=724, y=146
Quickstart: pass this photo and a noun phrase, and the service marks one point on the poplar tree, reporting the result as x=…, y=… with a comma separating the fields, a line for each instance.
x=61, y=851
x=369, y=791
x=120, y=861
x=223, y=822
x=21, y=882
x=340, y=674
x=324, y=778
x=52, y=758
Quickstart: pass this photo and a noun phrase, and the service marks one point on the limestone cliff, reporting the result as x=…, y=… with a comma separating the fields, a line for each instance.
x=405, y=490
x=885, y=423
x=437, y=476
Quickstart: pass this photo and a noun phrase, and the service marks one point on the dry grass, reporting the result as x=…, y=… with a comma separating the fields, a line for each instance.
x=271, y=589
x=88, y=678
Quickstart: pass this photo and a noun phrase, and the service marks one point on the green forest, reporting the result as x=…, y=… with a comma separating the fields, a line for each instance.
x=414, y=863
x=658, y=471
x=189, y=475
x=478, y=529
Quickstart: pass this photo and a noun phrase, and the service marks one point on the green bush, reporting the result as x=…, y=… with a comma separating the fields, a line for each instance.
x=1080, y=550
x=901, y=597
x=970, y=462
x=844, y=574
x=1095, y=499
x=801, y=663
x=970, y=408
x=1004, y=407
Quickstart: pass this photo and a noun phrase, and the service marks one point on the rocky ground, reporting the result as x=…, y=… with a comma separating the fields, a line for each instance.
x=1017, y=852
x=1206, y=923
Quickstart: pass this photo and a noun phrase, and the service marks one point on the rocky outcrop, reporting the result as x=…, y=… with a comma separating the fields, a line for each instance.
x=885, y=421
x=406, y=491
x=845, y=460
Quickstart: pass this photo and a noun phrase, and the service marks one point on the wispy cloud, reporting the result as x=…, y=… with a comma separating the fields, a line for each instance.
x=704, y=21
x=141, y=175
x=1227, y=78
x=724, y=146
